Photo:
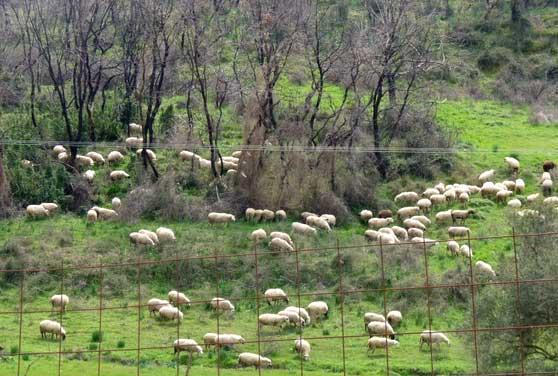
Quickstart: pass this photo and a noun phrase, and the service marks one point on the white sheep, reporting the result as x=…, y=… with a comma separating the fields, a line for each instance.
x=140, y=239
x=280, y=245
x=282, y=235
x=302, y=347
x=58, y=149
x=115, y=157
x=258, y=235
x=486, y=176
x=384, y=238
x=116, y=203
x=438, y=199
x=515, y=203
x=450, y=195
x=36, y=211
x=424, y=204
x=422, y=219
x=59, y=302
x=117, y=175
x=272, y=319
x=381, y=343
x=533, y=197
x=415, y=232
x=227, y=340
x=51, y=207
x=249, y=214
x=97, y=157
x=461, y=215
x=178, y=299
x=408, y=212
x=268, y=215
x=458, y=231
x=551, y=201
x=372, y=235
x=214, y=218
x=464, y=197
x=82, y=160
x=378, y=328
x=330, y=219
x=428, y=243
x=547, y=187
x=488, y=189
x=294, y=318
x=274, y=295
x=53, y=328
x=512, y=163
x=318, y=222
x=376, y=223
x=394, y=318
x=170, y=313
x=318, y=309
x=89, y=175
x=222, y=305
x=305, y=215
x=371, y=316
x=302, y=312
x=400, y=232
x=509, y=184
x=103, y=213
x=133, y=142
x=503, y=194
x=485, y=268
x=430, y=337
x=63, y=157
x=154, y=305
x=466, y=251
x=413, y=223
x=91, y=216
x=453, y=247
x=150, y=154
x=186, y=155
x=188, y=345
x=247, y=359
x=153, y=236
x=135, y=128
x=407, y=197
x=430, y=192
x=303, y=229
x=281, y=215
x=366, y=215
x=209, y=339
x=165, y=235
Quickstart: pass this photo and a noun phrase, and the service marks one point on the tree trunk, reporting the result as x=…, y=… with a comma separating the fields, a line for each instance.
x=5, y=197
x=516, y=11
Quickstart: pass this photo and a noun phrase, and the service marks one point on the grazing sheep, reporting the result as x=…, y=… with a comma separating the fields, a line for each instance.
x=458, y=231
x=413, y=223
x=366, y=215
x=466, y=251
x=512, y=163
x=441, y=187
x=188, y=345
x=394, y=318
x=178, y=299
x=51, y=207
x=58, y=149
x=330, y=219
x=551, y=201
x=503, y=195
x=317, y=310
x=461, y=215
x=377, y=223
x=150, y=154
x=116, y=203
x=408, y=212
x=548, y=166
x=519, y=186
x=515, y=203
x=293, y=317
x=464, y=198
x=89, y=175
x=547, y=187
x=427, y=243
x=384, y=238
x=453, y=247
x=249, y=214
x=386, y=213
x=214, y=218
x=63, y=157
x=82, y=160
x=430, y=337
x=415, y=232
x=400, y=232
x=303, y=229
x=247, y=359
x=280, y=245
x=509, y=184
x=118, y=175
x=268, y=215
x=209, y=339
x=272, y=319
x=371, y=316
x=258, y=235
x=237, y=154
x=228, y=340
x=302, y=347
x=381, y=343
x=115, y=157
x=422, y=219
x=444, y=216
x=140, y=239
x=545, y=176
x=485, y=268
x=91, y=216
x=450, y=195
x=223, y=305
x=60, y=302
x=387, y=230
x=103, y=213
x=372, y=235
x=438, y=199
x=281, y=215
x=133, y=142
x=305, y=215
x=165, y=235
x=424, y=204
x=53, y=328
x=274, y=295
x=534, y=197
x=153, y=236
x=301, y=312
x=36, y=211
x=488, y=189
x=154, y=305
x=135, y=128
x=170, y=313
x=430, y=192
x=282, y=235
x=318, y=222
x=486, y=176
x=378, y=328
x=97, y=157
x=409, y=197
x=186, y=155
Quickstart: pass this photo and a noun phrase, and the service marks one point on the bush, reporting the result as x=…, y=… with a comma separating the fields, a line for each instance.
x=166, y=120
x=97, y=336
x=14, y=350
x=121, y=344
x=492, y=59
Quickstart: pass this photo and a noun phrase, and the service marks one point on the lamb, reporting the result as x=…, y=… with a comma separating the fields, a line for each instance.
x=515, y=203
x=91, y=216
x=371, y=316
x=188, y=345
x=453, y=247
x=214, y=218
x=458, y=231
x=53, y=328
x=302, y=229
x=63, y=157
x=154, y=305
x=407, y=197
x=118, y=175
x=317, y=310
x=58, y=149
x=318, y=222
x=394, y=318
x=97, y=157
x=486, y=176
x=381, y=343
x=116, y=203
x=302, y=347
x=512, y=163
x=280, y=245
x=220, y=304
x=82, y=160
x=115, y=157
x=258, y=235
x=415, y=233
x=36, y=211
x=282, y=235
x=103, y=213
x=461, y=214
x=170, y=313
x=178, y=299
x=89, y=175
x=366, y=215
x=371, y=235
x=377, y=223
x=466, y=251
x=413, y=223
x=274, y=295
x=444, y=216
x=386, y=213
x=51, y=207
x=408, y=212
x=153, y=236
x=422, y=219
x=424, y=204
x=272, y=319
x=430, y=337
x=301, y=312
x=247, y=359
x=330, y=219
x=485, y=268
x=293, y=317
x=60, y=302
x=383, y=329
x=281, y=215
x=140, y=239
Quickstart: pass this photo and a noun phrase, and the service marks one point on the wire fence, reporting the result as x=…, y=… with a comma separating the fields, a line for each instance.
x=258, y=256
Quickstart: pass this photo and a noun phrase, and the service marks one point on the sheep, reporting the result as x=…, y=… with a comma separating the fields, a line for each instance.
x=503, y=195
x=372, y=235
x=257, y=215
x=258, y=235
x=366, y=215
x=424, y=204
x=394, y=318
x=58, y=149
x=430, y=192
x=400, y=232
x=533, y=197
x=178, y=299
x=438, y=199
x=486, y=176
x=118, y=175
x=466, y=251
x=422, y=219
x=408, y=212
x=302, y=347
x=227, y=340
x=282, y=235
x=53, y=328
x=268, y=215
x=509, y=184
x=430, y=337
x=97, y=157
x=140, y=239
x=214, y=218
x=91, y=216
x=36, y=211
x=293, y=317
x=548, y=166
x=464, y=198
x=413, y=223
x=301, y=312
x=170, y=313
x=415, y=233
x=461, y=215
x=485, y=268
x=488, y=189
x=116, y=203
x=150, y=154
x=386, y=213
x=249, y=214
x=188, y=345
x=381, y=329
x=551, y=201
x=135, y=128
x=381, y=343
x=60, y=302
x=444, y=216
x=89, y=175
x=103, y=213
x=274, y=295
x=318, y=222
x=133, y=142
x=458, y=231
x=154, y=305
x=302, y=229
x=186, y=155
x=115, y=157
x=371, y=316
x=281, y=215
x=407, y=197
x=515, y=203
x=27, y=163
x=223, y=305
x=519, y=186
x=63, y=157
x=376, y=223
x=450, y=195
x=512, y=163
x=272, y=319
x=82, y=160
x=427, y=243
x=247, y=359
x=153, y=236
x=237, y=154
x=305, y=215
x=280, y=245
x=51, y=207
x=547, y=187
x=330, y=219
x=209, y=339
x=384, y=238
x=317, y=310
x=453, y=247
x=231, y=173
x=545, y=176
x=387, y=230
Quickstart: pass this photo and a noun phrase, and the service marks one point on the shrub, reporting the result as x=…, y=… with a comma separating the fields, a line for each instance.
x=97, y=336
x=92, y=347
x=121, y=344
x=492, y=59
x=14, y=350
x=166, y=120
